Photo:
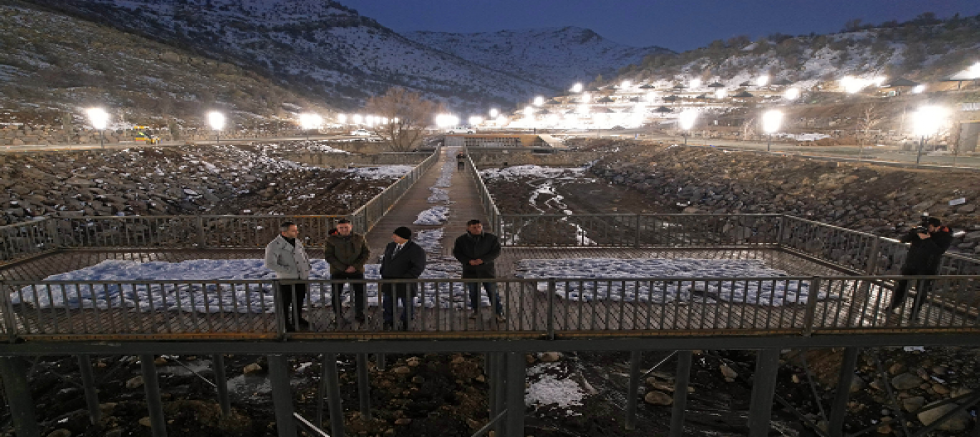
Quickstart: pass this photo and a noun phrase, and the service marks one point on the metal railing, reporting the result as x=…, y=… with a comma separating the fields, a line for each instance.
x=365, y=217
x=640, y=230
x=441, y=309
x=493, y=214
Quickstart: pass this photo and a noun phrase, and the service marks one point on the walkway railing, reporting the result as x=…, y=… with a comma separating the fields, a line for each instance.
x=493, y=214
x=542, y=309
x=372, y=212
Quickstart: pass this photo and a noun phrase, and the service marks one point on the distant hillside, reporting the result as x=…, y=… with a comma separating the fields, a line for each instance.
x=317, y=46
x=49, y=61
x=924, y=49
x=553, y=57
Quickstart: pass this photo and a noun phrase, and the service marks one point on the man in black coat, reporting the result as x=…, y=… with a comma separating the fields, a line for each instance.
x=477, y=250
x=925, y=253
x=403, y=259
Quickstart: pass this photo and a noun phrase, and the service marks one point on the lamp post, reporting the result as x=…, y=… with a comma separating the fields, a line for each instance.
x=309, y=122
x=99, y=119
x=928, y=121
x=686, y=120
x=770, y=124
x=217, y=121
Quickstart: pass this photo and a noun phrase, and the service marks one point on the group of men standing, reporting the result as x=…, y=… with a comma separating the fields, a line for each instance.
x=402, y=263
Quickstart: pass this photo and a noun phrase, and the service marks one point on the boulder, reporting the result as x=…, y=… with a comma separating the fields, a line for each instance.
x=956, y=423
x=655, y=397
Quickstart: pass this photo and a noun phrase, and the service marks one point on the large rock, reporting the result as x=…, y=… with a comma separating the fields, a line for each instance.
x=956, y=423
x=655, y=397
x=906, y=381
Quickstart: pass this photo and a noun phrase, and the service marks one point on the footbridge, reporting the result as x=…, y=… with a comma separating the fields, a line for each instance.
x=832, y=290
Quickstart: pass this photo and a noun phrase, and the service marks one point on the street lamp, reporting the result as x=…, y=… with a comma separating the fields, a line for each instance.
x=928, y=121
x=770, y=124
x=695, y=83
x=791, y=94
x=99, y=119
x=577, y=88
x=494, y=112
x=475, y=120
x=686, y=120
x=309, y=122
x=721, y=93
x=217, y=121
x=762, y=81
x=538, y=101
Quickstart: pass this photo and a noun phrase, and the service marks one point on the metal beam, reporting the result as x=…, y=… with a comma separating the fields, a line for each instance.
x=158, y=424
x=681, y=381
x=282, y=395
x=19, y=400
x=646, y=343
x=221, y=383
x=333, y=394
x=763, y=390
x=91, y=391
x=516, y=376
x=364, y=386
x=499, y=390
x=839, y=407
x=633, y=392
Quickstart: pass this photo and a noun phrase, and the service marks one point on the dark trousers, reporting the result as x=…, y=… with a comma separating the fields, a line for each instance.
x=357, y=288
x=390, y=293
x=491, y=288
x=922, y=288
x=292, y=297
x=461, y=165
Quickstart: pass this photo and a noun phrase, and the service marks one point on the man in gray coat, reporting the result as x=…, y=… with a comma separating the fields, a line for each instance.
x=285, y=256
x=403, y=259
x=346, y=253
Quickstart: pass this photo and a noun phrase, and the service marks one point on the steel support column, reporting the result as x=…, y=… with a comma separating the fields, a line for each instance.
x=498, y=395
x=763, y=392
x=516, y=376
x=364, y=386
x=91, y=391
x=633, y=391
x=221, y=383
x=681, y=381
x=18, y=391
x=282, y=395
x=839, y=408
x=333, y=395
x=158, y=425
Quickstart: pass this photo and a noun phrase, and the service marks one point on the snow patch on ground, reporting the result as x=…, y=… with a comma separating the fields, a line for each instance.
x=544, y=388
x=522, y=171
x=434, y=216
x=438, y=195
x=804, y=137
x=382, y=172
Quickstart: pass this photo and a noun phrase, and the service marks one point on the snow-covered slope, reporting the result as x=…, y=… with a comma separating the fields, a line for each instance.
x=319, y=46
x=554, y=57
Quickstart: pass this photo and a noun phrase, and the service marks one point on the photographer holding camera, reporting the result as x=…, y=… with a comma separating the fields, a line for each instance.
x=929, y=242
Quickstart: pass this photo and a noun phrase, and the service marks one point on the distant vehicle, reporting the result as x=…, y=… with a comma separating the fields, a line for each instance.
x=460, y=130
x=143, y=134
x=361, y=132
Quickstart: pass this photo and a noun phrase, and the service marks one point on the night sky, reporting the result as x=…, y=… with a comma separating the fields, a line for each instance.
x=678, y=25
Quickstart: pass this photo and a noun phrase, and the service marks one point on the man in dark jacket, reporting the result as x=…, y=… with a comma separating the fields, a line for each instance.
x=925, y=253
x=477, y=250
x=346, y=252
x=403, y=259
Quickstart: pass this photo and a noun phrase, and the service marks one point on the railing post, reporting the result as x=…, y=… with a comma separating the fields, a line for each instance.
x=201, y=239
x=551, y=309
x=780, y=228
x=872, y=264
x=10, y=324
x=633, y=391
x=811, y=306
x=636, y=243
x=53, y=232
x=88, y=385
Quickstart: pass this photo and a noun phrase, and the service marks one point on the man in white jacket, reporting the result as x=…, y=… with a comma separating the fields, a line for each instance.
x=285, y=256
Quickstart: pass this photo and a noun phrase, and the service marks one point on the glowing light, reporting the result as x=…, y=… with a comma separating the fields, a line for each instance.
x=879, y=81
x=929, y=119
x=586, y=97
x=476, y=120
x=216, y=120
x=918, y=89
x=687, y=119
x=625, y=84
x=771, y=121
x=762, y=80
x=98, y=118
x=974, y=71
x=310, y=121
x=853, y=84
x=342, y=118
x=358, y=118
x=583, y=109
x=494, y=112
x=695, y=83
x=538, y=101
x=721, y=93
x=651, y=96
x=577, y=88
x=501, y=120
x=446, y=120
x=791, y=94
x=528, y=111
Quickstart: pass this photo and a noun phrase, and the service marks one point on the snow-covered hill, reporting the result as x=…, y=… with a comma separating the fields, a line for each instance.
x=554, y=57
x=319, y=46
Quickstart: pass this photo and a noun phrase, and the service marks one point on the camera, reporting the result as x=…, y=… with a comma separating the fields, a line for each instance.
x=923, y=227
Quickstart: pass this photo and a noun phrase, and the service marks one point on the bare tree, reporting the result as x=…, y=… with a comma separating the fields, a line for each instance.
x=407, y=115
x=870, y=118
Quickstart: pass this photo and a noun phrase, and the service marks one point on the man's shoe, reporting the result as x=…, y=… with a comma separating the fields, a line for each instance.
x=303, y=323
x=895, y=310
x=501, y=318
x=474, y=315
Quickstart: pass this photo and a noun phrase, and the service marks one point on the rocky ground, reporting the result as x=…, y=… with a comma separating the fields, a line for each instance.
x=176, y=181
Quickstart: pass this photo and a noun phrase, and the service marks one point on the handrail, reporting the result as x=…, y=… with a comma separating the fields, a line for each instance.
x=486, y=199
x=368, y=215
